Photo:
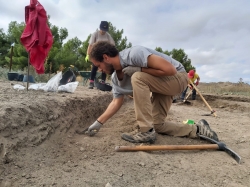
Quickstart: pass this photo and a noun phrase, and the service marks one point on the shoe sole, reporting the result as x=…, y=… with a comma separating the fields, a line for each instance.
x=124, y=137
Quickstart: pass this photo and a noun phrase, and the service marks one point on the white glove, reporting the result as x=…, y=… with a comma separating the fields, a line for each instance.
x=94, y=128
x=130, y=70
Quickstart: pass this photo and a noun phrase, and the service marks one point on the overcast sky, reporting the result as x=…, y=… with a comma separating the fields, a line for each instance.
x=215, y=34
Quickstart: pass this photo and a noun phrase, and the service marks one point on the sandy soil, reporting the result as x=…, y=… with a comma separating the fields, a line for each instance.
x=39, y=145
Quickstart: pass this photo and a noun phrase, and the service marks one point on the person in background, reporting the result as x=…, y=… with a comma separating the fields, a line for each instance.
x=193, y=76
x=138, y=71
x=99, y=35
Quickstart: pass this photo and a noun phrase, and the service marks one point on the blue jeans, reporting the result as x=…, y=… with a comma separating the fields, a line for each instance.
x=185, y=91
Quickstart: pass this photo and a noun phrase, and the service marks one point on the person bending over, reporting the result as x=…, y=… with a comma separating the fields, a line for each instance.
x=195, y=79
x=138, y=71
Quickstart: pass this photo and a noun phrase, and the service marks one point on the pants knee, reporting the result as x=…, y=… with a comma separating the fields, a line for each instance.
x=135, y=78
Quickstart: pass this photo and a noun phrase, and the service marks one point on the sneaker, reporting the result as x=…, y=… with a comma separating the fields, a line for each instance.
x=91, y=85
x=205, y=130
x=140, y=137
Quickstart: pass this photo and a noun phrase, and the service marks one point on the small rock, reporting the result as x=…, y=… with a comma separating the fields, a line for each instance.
x=120, y=174
x=108, y=185
x=50, y=117
x=141, y=164
x=68, y=170
x=82, y=149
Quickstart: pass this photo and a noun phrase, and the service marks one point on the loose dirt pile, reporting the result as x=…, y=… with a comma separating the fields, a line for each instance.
x=39, y=145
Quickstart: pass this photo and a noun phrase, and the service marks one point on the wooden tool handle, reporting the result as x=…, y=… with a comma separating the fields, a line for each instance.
x=188, y=95
x=212, y=111
x=165, y=147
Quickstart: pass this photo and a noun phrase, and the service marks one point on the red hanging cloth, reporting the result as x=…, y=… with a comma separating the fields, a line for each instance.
x=36, y=37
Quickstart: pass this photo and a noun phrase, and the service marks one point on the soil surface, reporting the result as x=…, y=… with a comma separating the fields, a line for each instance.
x=40, y=146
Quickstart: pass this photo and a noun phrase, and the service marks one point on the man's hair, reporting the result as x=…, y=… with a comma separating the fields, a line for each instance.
x=103, y=47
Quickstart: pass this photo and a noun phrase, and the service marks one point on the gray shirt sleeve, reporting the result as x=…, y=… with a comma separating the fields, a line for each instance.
x=92, y=39
x=121, y=88
x=136, y=56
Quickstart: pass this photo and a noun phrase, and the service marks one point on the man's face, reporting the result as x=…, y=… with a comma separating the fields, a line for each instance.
x=104, y=66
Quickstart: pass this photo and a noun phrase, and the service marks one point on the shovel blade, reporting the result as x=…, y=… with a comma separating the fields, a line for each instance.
x=233, y=154
x=223, y=147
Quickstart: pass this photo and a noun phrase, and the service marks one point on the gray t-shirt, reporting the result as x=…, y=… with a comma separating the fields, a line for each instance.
x=96, y=37
x=136, y=56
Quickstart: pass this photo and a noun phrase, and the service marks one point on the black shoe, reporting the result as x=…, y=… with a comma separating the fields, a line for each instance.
x=91, y=85
x=205, y=130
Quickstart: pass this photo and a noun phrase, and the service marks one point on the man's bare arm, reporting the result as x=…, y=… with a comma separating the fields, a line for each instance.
x=113, y=107
x=89, y=49
x=158, y=66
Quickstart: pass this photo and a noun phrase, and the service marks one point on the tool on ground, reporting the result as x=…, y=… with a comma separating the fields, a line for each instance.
x=189, y=122
x=210, y=114
x=185, y=100
x=222, y=147
x=212, y=111
x=216, y=145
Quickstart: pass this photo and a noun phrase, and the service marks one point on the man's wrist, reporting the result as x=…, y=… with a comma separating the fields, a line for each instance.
x=99, y=122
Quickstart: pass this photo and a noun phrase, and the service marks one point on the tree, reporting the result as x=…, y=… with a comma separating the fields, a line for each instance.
x=68, y=54
x=120, y=43
x=55, y=57
x=4, y=47
x=73, y=52
x=20, y=55
x=82, y=54
x=179, y=55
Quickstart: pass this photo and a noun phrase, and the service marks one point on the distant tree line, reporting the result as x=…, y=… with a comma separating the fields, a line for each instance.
x=72, y=52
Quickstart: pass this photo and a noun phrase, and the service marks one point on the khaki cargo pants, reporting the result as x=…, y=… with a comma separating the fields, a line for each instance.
x=151, y=112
